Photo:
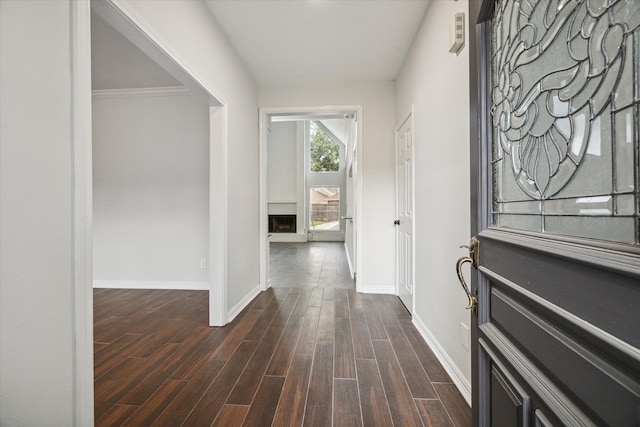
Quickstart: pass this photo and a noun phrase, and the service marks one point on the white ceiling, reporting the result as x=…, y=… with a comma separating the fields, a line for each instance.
x=304, y=41
x=282, y=42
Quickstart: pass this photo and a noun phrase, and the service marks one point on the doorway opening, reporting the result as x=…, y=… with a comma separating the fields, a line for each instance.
x=156, y=73
x=174, y=80
x=309, y=160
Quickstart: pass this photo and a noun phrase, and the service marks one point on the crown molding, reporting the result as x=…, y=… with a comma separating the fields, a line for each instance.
x=141, y=92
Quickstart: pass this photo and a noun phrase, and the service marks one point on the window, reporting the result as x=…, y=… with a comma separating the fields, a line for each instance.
x=325, y=208
x=324, y=152
x=566, y=115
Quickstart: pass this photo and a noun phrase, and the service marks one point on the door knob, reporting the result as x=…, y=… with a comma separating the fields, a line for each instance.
x=396, y=222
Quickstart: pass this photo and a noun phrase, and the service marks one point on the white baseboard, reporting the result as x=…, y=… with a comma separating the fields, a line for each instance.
x=463, y=385
x=132, y=284
x=378, y=290
x=242, y=304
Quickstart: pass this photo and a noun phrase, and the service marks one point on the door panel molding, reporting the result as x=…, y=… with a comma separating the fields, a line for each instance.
x=499, y=348
x=511, y=407
x=570, y=363
x=602, y=297
x=541, y=419
x=511, y=385
x=616, y=257
x=582, y=330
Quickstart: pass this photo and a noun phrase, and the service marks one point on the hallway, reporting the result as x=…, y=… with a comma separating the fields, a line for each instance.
x=294, y=356
x=311, y=264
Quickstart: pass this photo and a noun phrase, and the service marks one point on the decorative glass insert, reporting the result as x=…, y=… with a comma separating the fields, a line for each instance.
x=324, y=152
x=565, y=109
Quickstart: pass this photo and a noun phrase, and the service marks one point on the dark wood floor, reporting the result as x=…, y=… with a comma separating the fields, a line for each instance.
x=316, y=356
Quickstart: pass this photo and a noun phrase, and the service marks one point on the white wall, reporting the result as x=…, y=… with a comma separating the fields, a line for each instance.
x=37, y=337
x=376, y=170
x=285, y=181
x=282, y=155
x=36, y=228
x=436, y=82
x=151, y=189
x=191, y=32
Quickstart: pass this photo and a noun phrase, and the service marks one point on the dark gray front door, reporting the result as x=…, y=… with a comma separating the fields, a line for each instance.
x=555, y=111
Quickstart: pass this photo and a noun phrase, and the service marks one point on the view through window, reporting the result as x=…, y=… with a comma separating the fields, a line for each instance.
x=324, y=152
x=325, y=208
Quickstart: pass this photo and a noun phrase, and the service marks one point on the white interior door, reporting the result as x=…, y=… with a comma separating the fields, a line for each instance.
x=404, y=210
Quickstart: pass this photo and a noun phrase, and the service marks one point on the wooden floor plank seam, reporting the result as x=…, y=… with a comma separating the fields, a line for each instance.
x=445, y=408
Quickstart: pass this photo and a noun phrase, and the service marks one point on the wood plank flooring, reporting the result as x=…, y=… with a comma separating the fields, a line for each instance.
x=312, y=264
x=312, y=356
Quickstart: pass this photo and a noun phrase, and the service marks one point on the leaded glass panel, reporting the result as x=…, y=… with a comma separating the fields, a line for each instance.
x=565, y=109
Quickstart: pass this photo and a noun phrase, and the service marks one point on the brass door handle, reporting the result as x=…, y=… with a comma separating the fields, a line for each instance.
x=472, y=258
x=473, y=302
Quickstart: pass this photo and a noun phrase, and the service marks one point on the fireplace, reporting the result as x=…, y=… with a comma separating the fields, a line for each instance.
x=282, y=223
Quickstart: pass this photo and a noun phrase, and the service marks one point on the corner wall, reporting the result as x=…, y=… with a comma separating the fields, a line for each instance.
x=436, y=82
x=190, y=31
x=376, y=173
